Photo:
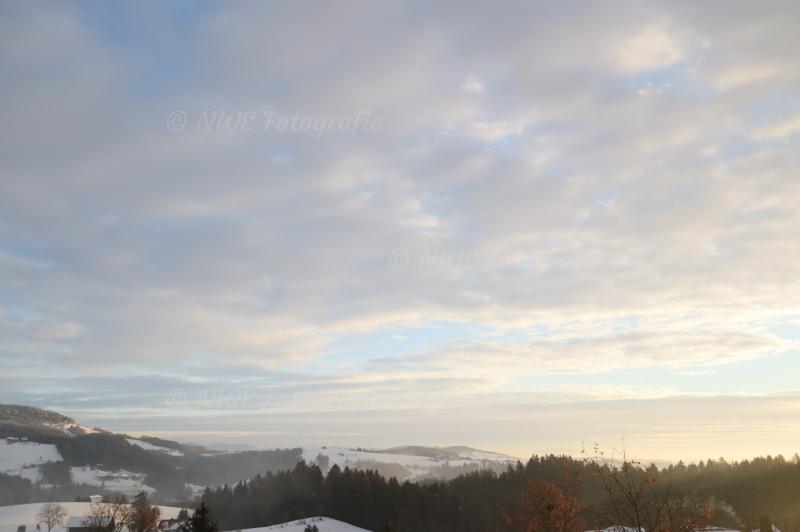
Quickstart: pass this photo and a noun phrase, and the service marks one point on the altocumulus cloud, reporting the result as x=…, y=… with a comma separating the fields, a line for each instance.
x=631, y=173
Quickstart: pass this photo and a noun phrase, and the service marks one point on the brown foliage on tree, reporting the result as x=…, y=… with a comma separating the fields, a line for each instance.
x=142, y=516
x=546, y=507
x=108, y=516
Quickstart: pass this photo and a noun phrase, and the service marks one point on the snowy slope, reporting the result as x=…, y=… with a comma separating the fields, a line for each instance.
x=22, y=458
x=486, y=456
x=323, y=523
x=417, y=466
x=150, y=447
x=25, y=514
x=71, y=428
x=122, y=481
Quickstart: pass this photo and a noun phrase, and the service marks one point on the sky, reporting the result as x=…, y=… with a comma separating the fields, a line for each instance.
x=527, y=227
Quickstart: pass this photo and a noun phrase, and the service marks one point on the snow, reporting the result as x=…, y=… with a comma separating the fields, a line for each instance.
x=323, y=523
x=417, y=466
x=22, y=458
x=122, y=481
x=150, y=447
x=71, y=428
x=486, y=456
x=197, y=489
x=347, y=457
x=25, y=514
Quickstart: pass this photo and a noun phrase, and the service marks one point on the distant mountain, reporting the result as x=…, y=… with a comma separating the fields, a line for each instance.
x=228, y=447
x=44, y=452
x=37, y=424
x=31, y=415
x=53, y=453
x=411, y=462
x=455, y=452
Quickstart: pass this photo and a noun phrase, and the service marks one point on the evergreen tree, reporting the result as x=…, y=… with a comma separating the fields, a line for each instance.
x=202, y=521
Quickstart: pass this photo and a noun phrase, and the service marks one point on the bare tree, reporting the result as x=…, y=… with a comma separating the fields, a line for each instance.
x=109, y=516
x=143, y=516
x=639, y=500
x=52, y=514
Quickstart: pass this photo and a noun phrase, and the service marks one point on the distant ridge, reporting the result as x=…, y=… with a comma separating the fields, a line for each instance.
x=32, y=415
x=453, y=452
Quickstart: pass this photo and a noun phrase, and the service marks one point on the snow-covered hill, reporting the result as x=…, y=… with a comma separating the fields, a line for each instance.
x=120, y=481
x=31, y=437
x=147, y=446
x=405, y=466
x=324, y=524
x=22, y=458
x=12, y=517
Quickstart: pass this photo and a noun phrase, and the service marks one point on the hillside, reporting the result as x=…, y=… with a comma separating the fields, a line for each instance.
x=44, y=453
x=324, y=524
x=454, y=452
x=31, y=415
x=410, y=462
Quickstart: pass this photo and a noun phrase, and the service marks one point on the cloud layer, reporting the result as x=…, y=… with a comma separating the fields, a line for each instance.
x=569, y=205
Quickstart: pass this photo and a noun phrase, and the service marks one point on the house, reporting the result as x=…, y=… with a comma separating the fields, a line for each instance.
x=82, y=523
x=171, y=525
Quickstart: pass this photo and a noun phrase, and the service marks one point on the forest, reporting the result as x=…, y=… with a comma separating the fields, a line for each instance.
x=548, y=493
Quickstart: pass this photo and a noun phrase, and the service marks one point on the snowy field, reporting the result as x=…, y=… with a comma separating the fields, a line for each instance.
x=122, y=481
x=323, y=523
x=417, y=466
x=22, y=458
x=25, y=514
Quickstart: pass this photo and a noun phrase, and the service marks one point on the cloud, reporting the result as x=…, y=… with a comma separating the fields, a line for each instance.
x=651, y=48
x=780, y=130
x=574, y=194
x=473, y=86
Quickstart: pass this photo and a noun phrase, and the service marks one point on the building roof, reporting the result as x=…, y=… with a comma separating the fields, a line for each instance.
x=82, y=521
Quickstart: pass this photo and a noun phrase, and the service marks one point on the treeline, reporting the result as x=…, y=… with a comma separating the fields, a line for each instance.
x=550, y=493
x=18, y=490
x=750, y=489
x=479, y=502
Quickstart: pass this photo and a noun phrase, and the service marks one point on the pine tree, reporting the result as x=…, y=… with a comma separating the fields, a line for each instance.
x=202, y=521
